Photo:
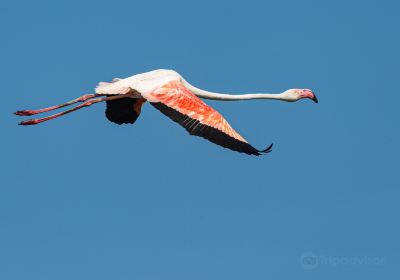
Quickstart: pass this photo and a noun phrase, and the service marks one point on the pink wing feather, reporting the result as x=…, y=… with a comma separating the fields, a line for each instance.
x=175, y=101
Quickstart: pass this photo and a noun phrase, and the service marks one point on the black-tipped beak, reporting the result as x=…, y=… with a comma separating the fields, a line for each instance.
x=315, y=99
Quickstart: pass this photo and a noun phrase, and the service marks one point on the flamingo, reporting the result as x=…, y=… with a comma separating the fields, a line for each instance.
x=173, y=96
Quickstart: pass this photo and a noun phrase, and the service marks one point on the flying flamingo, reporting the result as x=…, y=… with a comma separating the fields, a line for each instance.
x=168, y=92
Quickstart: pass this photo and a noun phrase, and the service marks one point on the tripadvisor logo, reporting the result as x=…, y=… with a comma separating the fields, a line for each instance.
x=310, y=260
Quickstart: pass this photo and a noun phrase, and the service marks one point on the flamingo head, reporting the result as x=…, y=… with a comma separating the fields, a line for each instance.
x=292, y=95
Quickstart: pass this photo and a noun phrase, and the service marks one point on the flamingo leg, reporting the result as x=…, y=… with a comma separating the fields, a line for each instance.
x=85, y=104
x=83, y=98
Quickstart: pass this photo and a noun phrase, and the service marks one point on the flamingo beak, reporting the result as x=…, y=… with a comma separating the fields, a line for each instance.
x=308, y=93
x=315, y=99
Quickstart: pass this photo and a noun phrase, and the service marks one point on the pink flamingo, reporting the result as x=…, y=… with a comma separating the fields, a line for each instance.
x=168, y=92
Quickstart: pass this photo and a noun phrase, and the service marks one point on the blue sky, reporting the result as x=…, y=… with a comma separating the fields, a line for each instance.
x=82, y=198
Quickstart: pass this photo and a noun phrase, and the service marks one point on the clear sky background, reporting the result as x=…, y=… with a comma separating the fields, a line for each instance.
x=83, y=198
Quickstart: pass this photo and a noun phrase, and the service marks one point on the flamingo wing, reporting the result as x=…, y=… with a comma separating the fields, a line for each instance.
x=178, y=103
x=124, y=110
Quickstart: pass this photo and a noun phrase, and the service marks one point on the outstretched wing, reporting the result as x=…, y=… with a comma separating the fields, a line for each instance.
x=178, y=103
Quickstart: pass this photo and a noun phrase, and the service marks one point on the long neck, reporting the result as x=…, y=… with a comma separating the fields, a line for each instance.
x=230, y=97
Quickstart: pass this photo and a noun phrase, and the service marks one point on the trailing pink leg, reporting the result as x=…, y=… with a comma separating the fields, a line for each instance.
x=85, y=104
x=83, y=98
